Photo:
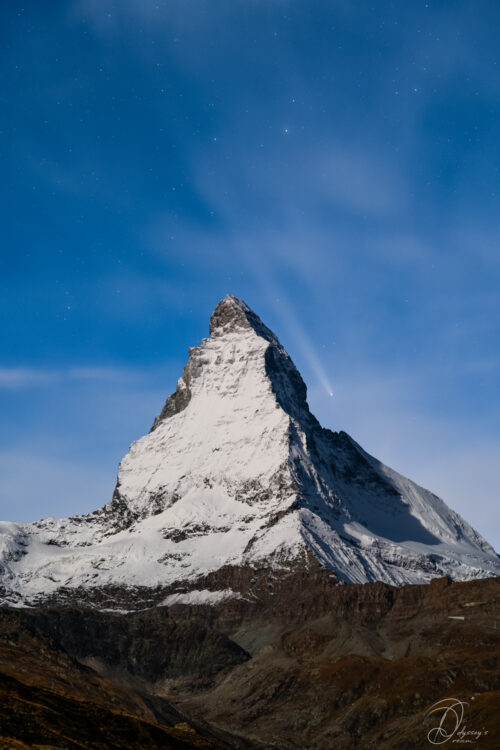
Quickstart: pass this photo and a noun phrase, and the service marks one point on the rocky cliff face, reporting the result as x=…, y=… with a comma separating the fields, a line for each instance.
x=49, y=699
x=316, y=665
x=235, y=475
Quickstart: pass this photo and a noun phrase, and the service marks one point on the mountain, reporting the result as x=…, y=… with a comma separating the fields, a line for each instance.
x=360, y=668
x=49, y=699
x=237, y=484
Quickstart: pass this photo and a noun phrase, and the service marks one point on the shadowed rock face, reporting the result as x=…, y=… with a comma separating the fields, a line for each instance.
x=232, y=313
x=317, y=666
x=178, y=400
x=261, y=645
x=149, y=646
x=49, y=699
x=237, y=473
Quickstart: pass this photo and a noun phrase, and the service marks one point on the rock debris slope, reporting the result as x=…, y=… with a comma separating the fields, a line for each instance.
x=237, y=473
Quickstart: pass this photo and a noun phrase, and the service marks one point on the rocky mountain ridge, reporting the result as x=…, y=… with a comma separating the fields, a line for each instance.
x=315, y=666
x=236, y=474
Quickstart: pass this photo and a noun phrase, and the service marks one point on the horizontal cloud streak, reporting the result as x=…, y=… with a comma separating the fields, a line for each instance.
x=26, y=377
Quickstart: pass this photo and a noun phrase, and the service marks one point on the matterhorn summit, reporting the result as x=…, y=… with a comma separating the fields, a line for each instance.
x=236, y=474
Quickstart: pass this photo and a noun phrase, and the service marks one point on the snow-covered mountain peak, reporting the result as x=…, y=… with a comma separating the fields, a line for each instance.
x=227, y=422
x=232, y=314
x=238, y=340
x=236, y=473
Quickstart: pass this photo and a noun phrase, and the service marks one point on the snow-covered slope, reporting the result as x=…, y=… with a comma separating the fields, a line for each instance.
x=237, y=472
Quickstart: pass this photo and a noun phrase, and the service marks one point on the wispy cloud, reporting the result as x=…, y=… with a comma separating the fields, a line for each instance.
x=25, y=377
x=28, y=377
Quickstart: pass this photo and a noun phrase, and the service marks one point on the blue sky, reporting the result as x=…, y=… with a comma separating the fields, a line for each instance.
x=336, y=164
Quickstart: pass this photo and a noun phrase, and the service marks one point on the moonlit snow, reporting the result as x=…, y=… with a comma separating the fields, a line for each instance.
x=237, y=472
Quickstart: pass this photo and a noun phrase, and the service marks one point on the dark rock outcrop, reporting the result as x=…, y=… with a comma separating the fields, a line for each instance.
x=150, y=646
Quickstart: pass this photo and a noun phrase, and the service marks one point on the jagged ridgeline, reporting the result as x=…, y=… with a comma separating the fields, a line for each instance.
x=237, y=481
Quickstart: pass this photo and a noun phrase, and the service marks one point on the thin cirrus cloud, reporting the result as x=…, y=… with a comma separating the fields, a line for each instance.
x=22, y=377
x=259, y=209
x=28, y=377
x=361, y=181
x=337, y=175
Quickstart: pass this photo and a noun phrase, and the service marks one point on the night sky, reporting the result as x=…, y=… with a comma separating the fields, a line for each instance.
x=334, y=163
